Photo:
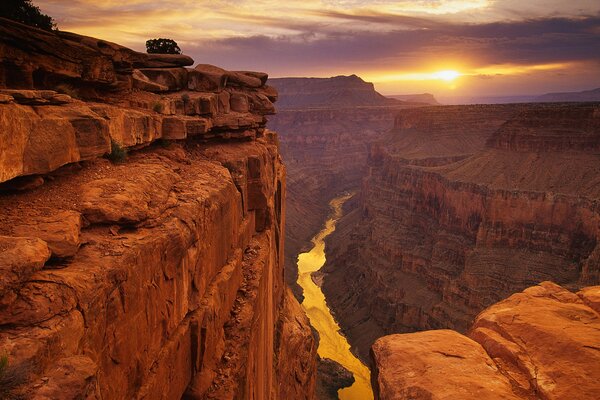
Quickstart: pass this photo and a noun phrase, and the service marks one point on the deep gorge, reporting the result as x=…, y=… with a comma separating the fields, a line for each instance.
x=153, y=213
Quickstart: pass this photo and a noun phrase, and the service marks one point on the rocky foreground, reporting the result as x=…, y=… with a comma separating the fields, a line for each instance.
x=152, y=275
x=543, y=343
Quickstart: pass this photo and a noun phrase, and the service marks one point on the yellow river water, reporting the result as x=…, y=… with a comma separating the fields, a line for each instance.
x=332, y=344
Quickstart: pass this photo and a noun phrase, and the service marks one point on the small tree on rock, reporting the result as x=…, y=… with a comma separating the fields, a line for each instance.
x=25, y=12
x=162, y=46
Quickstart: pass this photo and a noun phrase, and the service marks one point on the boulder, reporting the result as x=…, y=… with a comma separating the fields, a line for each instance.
x=436, y=365
x=260, y=75
x=60, y=231
x=546, y=339
x=206, y=77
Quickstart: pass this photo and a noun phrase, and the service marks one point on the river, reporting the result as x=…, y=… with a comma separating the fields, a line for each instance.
x=332, y=344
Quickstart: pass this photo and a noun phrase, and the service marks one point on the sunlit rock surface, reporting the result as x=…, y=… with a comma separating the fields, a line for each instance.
x=541, y=343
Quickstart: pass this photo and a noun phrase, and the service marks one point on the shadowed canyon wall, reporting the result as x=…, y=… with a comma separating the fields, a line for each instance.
x=326, y=127
x=462, y=207
x=157, y=275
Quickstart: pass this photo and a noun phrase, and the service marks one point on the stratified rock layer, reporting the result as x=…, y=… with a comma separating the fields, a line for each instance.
x=158, y=275
x=447, y=225
x=538, y=344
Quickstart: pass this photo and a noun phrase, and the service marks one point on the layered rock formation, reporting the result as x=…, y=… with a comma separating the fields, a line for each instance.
x=158, y=276
x=325, y=150
x=335, y=92
x=464, y=206
x=538, y=344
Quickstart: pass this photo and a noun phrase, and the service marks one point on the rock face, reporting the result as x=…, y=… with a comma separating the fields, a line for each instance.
x=464, y=206
x=325, y=152
x=156, y=277
x=538, y=344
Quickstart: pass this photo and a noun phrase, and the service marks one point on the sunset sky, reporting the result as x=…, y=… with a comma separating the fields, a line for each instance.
x=449, y=48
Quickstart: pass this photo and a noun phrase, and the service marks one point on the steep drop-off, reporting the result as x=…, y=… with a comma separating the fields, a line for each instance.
x=157, y=275
x=325, y=151
x=464, y=206
x=538, y=344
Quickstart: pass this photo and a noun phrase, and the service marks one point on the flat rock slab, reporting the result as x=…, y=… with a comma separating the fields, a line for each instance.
x=60, y=231
x=441, y=364
x=131, y=199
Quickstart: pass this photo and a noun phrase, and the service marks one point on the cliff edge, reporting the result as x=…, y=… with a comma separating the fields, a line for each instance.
x=156, y=274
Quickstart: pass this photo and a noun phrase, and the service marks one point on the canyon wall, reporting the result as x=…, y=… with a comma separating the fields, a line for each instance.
x=156, y=274
x=464, y=206
x=325, y=153
x=541, y=343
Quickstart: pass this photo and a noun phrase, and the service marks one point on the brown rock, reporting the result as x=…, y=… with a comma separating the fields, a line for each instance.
x=243, y=80
x=239, y=102
x=208, y=78
x=142, y=82
x=434, y=365
x=70, y=378
x=60, y=231
x=260, y=75
x=20, y=257
x=131, y=199
x=546, y=340
x=168, y=60
x=172, y=78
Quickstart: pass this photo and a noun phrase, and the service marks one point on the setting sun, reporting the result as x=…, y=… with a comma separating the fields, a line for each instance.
x=447, y=75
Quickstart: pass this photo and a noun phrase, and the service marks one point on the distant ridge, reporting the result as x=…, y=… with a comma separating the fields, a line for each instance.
x=426, y=98
x=337, y=91
x=586, y=95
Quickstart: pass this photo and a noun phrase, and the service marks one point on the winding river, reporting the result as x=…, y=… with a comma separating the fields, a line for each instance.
x=332, y=344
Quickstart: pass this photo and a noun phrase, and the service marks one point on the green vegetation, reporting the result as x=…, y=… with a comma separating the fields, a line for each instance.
x=11, y=377
x=118, y=153
x=162, y=46
x=157, y=107
x=25, y=12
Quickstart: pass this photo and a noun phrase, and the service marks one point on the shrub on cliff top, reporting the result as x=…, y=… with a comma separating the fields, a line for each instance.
x=25, y=12
x=162, y=46
x=118, y=153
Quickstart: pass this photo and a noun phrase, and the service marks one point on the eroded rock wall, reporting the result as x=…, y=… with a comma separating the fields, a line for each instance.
x=325, y=152
x=153, y=276
x=446, y=226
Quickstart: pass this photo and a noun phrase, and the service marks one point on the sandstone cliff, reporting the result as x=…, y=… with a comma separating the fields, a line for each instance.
x=158, y=276
x=464, y=206
x=538, y=344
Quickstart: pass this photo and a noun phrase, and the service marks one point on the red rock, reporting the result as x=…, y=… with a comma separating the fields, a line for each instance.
x=172, y=78
x=20, y=257
x=545, y=339
x=60, y=231
x=440, y=364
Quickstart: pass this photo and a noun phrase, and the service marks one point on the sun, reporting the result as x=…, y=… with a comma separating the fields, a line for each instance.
x=446, y=75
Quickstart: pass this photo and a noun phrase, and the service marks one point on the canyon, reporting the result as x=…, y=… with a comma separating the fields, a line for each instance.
x=155, y=217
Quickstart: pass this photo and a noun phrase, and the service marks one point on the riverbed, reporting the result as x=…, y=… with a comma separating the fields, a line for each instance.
x=332, y=344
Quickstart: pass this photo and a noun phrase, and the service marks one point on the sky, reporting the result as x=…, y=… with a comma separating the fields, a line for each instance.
x=448, y=48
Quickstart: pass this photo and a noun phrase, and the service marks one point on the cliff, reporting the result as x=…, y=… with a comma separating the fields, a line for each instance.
x=585, y=95
x=538, y=344
x=156, y=275
x=464, y=206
